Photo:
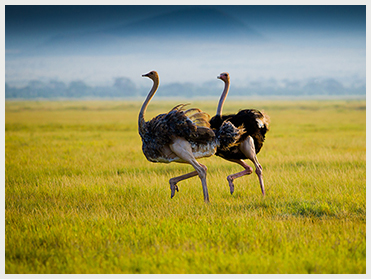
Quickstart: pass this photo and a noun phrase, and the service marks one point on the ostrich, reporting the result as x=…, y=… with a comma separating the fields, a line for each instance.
x=255, y=125
x=182, y=136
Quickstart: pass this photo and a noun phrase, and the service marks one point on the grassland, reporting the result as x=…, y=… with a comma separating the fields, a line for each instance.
x=81, y=197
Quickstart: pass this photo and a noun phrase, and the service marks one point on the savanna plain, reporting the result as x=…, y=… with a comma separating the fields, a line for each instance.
x=80, y=197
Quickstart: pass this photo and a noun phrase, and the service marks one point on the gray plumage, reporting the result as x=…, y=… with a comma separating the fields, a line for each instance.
x=162, y=129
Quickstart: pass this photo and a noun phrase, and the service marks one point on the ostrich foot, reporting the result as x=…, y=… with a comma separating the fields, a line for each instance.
x=231, y=185
x=173, y=187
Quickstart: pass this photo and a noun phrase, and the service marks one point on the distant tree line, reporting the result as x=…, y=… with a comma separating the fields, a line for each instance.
x=123, y=87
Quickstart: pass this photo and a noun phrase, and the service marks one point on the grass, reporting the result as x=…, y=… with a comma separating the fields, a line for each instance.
x=81, y=197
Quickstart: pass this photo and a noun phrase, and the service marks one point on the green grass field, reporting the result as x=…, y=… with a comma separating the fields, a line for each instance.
x=82, y=198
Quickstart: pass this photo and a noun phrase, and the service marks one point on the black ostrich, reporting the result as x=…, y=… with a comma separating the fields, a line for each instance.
x=255, y=125
x=182, y=136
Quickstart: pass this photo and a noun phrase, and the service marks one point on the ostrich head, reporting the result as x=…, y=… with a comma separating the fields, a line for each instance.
x=224, y=76
x=152, y=75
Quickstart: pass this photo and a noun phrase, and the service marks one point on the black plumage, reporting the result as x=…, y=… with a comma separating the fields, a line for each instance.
x=254, y=124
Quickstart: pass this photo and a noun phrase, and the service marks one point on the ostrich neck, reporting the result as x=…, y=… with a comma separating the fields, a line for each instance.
x=141, y=121
x=222, y=98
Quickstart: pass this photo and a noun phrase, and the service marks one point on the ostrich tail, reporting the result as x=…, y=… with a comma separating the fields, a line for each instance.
x=262, y=118
x=266, y=120
x=200, y=118
x=228, y=135
x=191, y=124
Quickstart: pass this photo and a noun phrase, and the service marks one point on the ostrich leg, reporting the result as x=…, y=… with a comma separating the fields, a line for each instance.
x=230, y=178
x=173, y=181
x=183, y=150
x=247, y=147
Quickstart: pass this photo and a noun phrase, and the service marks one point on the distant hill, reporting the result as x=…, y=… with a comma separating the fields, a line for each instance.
x=193, y=24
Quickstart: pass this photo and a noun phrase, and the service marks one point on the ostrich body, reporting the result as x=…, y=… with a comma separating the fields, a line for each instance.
x=255, y=125
x=181, y=136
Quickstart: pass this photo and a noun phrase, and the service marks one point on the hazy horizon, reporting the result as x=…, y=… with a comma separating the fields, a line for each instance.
x=185, y=44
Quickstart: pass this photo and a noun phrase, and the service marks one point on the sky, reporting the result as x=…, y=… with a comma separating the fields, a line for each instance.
x=184, y=43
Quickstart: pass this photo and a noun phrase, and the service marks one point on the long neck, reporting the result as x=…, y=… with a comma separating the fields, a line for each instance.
x=141, y=121
x=222, y=98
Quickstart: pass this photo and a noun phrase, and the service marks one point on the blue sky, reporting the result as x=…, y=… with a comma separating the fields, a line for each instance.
x=98, y=43
x=47, y=20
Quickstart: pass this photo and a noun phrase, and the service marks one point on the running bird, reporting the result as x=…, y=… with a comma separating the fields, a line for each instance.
x=255, y=125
